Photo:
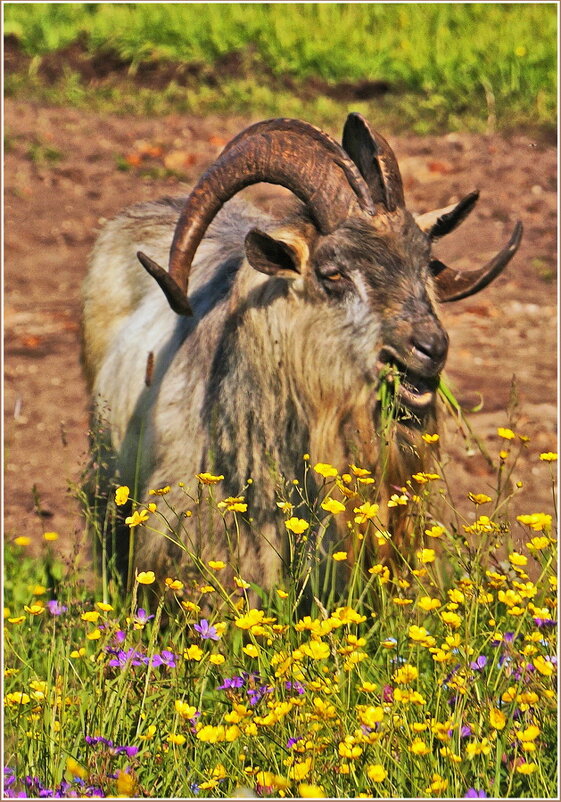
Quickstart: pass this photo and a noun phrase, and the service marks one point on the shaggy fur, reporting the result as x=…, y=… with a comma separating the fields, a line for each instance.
x=267, y=369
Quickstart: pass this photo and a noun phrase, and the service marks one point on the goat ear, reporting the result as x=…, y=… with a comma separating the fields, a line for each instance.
x=442, y=221
x=272, y=256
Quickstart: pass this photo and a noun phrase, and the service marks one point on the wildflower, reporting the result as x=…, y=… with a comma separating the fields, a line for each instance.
x=428, y=603
x=173, y=584
x=360, y=472
x=194, y=652
x=251, y=650
x=50, y=536
x=55, y=607
x=397, y=500
x=206, y=631
x=422, y=478
x=548, y=456
x=347, y=615
x=333, y=506
x=419, y=747
x=309, y=791
x=538, y=521
x=104, y=607
x=250, y=619
x=285, y=506
x=474, y=793
x=506, y=434
x=479, y=664
x=34, y=609
x=371, y=715
x=451, y=618
x=176, y=739
x=381, y=571
x=216, y=565
x=479, y=498
x=538, y=543
x=366, y=512
x=435, y=531
x=121, y=495
x=526, y=768
x=315, y=649
x=430, y=438
x=406, y=674
x=16, y=698
x=22, y=540
x=474, y=748
x=282, y=594
x=437, y=785
x=137, y=518
x=325, y=469
x=515, y=558
x=75, y=653
x=497, y=719
x=300, y=770
x=426, y=555
x=483, y=525
x=146, y=577
x=209, y=478
x=297, y=525
x=339, y=556
x=91, y=616
x=234, y=504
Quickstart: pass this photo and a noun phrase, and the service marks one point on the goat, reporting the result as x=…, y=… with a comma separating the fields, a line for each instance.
x=277, y=349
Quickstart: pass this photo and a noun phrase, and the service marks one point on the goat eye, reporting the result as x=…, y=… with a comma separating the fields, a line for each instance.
x=334, y=276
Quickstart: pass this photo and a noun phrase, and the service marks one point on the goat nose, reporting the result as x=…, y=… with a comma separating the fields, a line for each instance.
x=430, y=346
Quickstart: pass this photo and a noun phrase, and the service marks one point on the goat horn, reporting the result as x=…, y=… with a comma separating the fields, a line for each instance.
x=452, y=285
x=376, y=161
x=440, y=222
x=291, y=153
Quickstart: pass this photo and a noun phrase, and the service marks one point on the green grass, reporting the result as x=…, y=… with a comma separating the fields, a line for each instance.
x=430, y=681
x=445, y=63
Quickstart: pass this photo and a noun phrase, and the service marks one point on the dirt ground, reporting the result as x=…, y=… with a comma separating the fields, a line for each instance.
x=67, y=170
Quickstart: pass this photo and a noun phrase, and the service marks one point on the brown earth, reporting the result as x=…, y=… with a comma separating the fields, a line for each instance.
x=67, y=170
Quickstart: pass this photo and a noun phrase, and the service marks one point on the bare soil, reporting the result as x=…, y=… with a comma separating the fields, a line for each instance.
x=67, y=170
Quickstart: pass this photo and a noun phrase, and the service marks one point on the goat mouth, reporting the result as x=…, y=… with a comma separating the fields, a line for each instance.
x=413, y=391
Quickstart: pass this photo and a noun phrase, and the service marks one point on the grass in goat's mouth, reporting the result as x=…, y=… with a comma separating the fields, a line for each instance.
x=408, y=389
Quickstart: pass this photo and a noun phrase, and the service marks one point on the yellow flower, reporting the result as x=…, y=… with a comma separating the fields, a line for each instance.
x=216, y=565
x=137, y=518
x=50, y=536
x=91, y=615
x=366, y=512
x=121, y=495
x=300, y=770
x=176, y=739
x=537, y=521
x=316, y=649
x=174, y=584
x=548, y=456
x=104, y=607
x=538, y=543
x=339, y=556
x=217, y=659
x=325, y=469
x=209, y=478
x=250, y=619
x=371, y=715
x=76, y=653
x=423, y=478
x=308, y=791
x=497, y=719
x=17, y=698
x=474, y=748
x=359, y=471
x=419, y=747
x=185, y=710
x=241, y=583
x=529, y=734
x=234, y=504
x=430, y=438
x=162, y=491
x=285, y=506
x=75, y=768
x=94, y=635
x=297, y=525
x=435, y=531
x=479, y=498
x=333, y=506
x=544, y=666
x=406, y=674
x=506, y=434
x=526, y=768
x=426, y=555
x=282, y=594
x=194, y=652
x=515, y=558
x=452, y=619
x=146, y=577
x=251, y=650
x=397, y=501
x=34, y=609
x=22, y=540
x=428, y=603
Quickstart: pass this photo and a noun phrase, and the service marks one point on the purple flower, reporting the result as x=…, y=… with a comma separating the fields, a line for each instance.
x=387, y=693
x=465, y=731
x=295, y=686
x=142, y=617
x=166, y=658
x=291, y=741
x=206, y=631
x=545, y=622
x=231, y=682
x=55, y=607
x=473, y=793
x=119, y=636
x=479, y=664
x=256, y=694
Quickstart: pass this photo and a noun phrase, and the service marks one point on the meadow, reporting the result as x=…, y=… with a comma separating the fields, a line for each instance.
x=420, y=67
x=434, y=679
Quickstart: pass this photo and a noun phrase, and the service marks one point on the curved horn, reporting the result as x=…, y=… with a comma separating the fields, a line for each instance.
x=376, y=161
x=291, y=153
x=442, y=221
x=452, y=285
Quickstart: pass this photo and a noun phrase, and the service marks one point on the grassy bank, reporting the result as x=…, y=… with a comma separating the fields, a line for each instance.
x=421, y=67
